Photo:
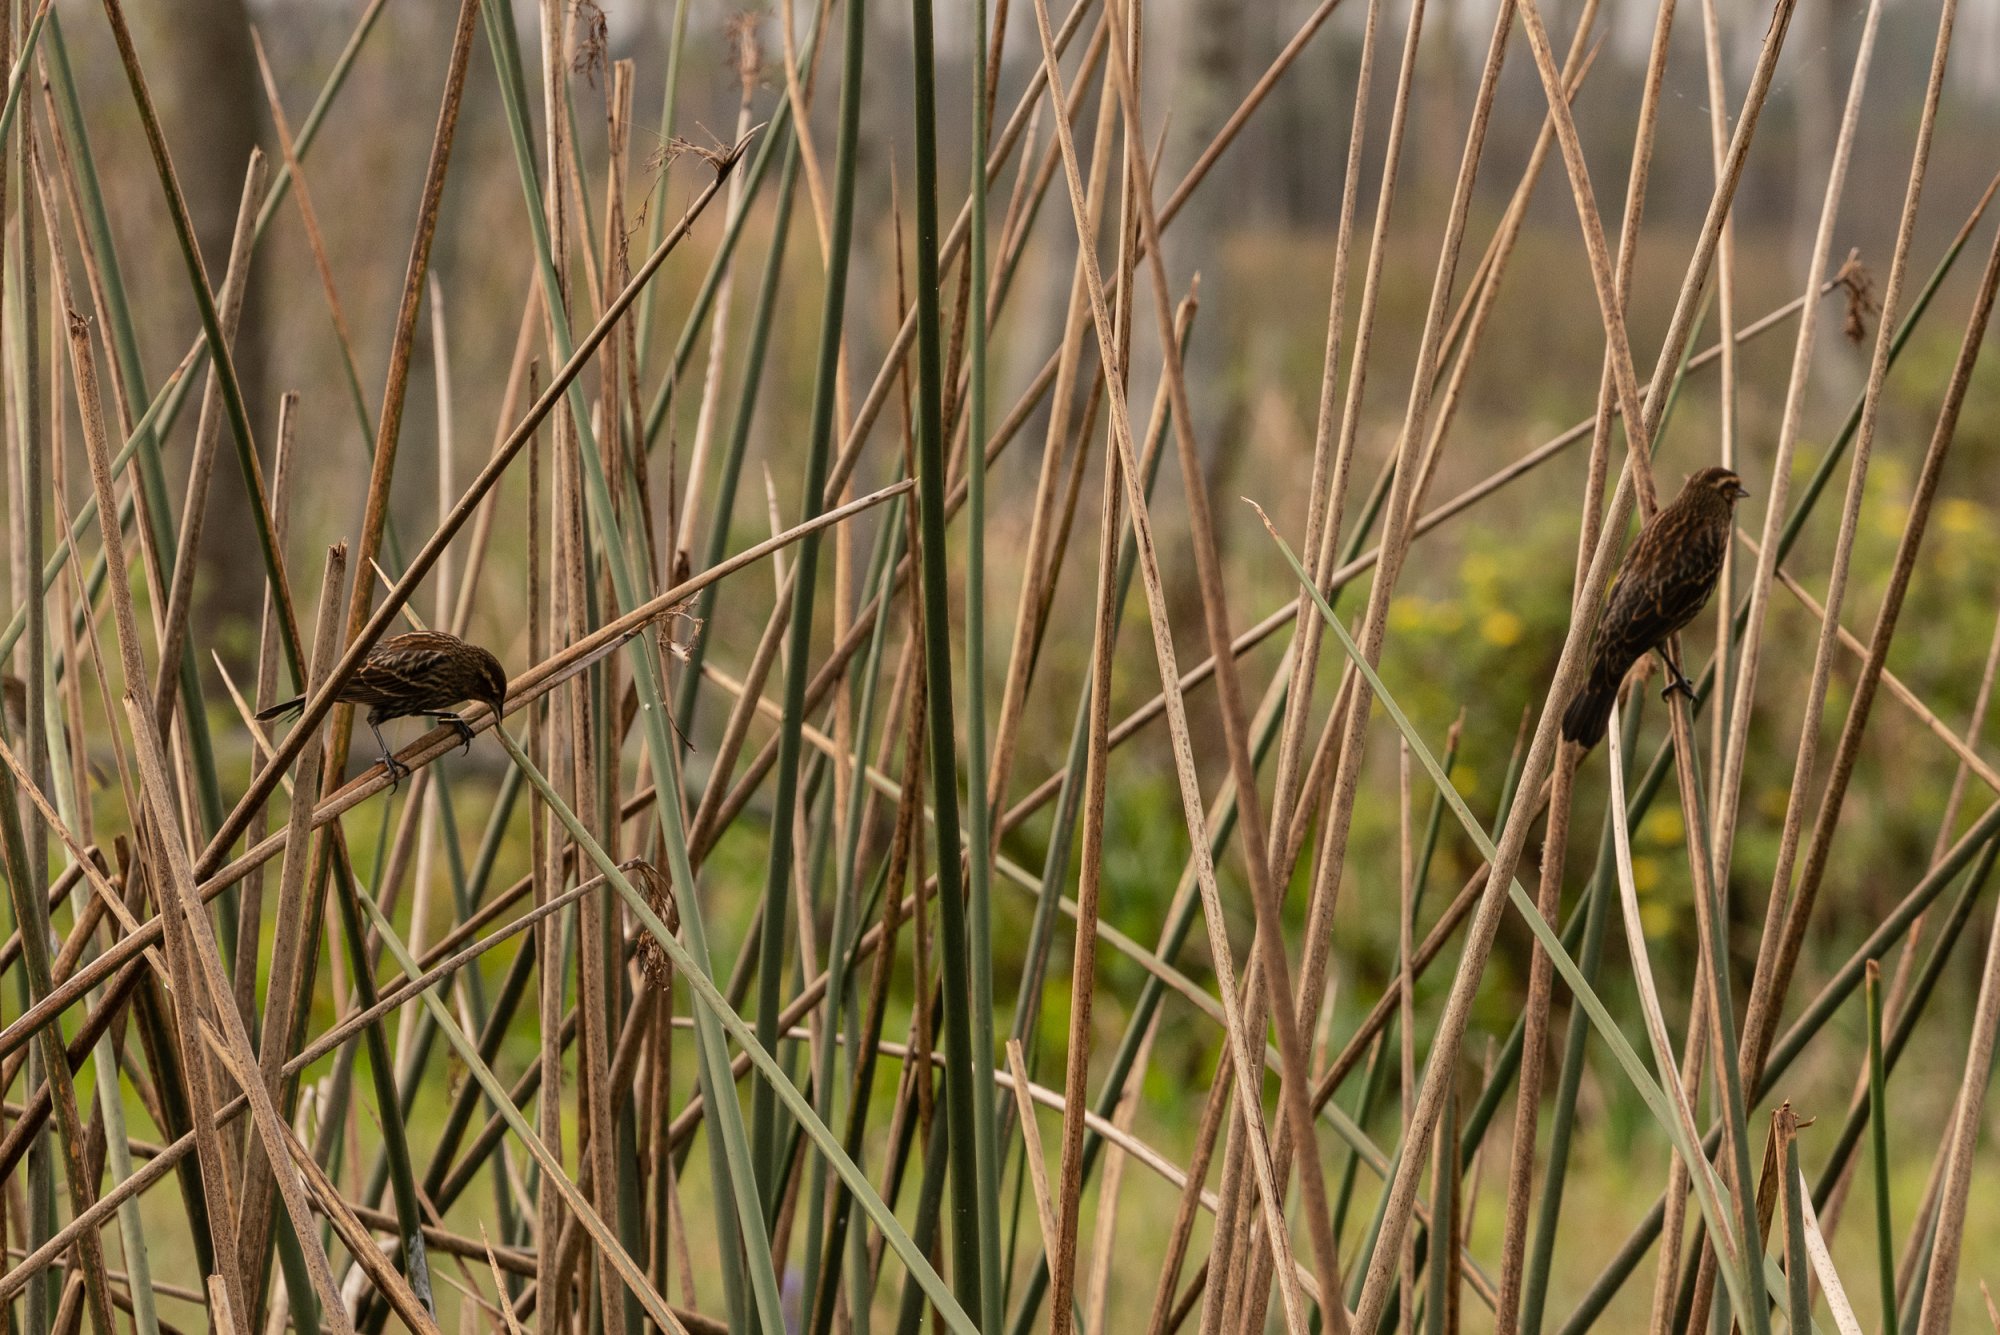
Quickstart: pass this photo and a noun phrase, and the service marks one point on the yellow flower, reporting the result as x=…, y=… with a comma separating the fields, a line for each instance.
x=1645, y=874
x=1501, y=628
x=1406, y=615
x=1656, y=919
x=1663, y=826
x=1960, y=517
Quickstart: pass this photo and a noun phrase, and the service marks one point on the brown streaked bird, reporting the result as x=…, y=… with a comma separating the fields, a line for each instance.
x=423, y=673
x=1665, y=581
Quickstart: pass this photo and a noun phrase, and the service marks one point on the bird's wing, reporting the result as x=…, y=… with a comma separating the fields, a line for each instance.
x=401, y=668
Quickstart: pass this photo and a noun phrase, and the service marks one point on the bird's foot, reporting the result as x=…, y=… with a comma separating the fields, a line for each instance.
x=457, y=725
x=1677, y=683
x=398, y=771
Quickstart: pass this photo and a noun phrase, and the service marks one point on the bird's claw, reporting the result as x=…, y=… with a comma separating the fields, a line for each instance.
x=398, y=771
x=1678, y=684
x=457, y=725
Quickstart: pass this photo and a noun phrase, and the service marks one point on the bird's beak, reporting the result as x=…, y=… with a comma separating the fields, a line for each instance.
x=1741, y=491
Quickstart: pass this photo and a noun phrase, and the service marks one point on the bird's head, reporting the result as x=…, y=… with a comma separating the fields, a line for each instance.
x=1721, y=482
x=492, y=682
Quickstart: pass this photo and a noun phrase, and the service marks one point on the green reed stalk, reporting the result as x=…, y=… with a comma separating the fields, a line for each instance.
x=969, y=1224
x=805, y=567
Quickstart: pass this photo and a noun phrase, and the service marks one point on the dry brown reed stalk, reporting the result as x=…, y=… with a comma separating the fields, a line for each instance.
x=799, y=1008
x=1319, y=776
x=1222, y=1090
x=717, y=813
x=207, y=432
x=315, y=238
x=1323, y=495
x=1813, y=869
x=956, y=236
x=1166, y=1314
x=1534, y=1054
x=218, y=345
x=1726, y=394
x=1062, y=440
x=1609, y=398
x=250, y=914
x=1767, y=988
x=459, y=622
x=1262, y=630
x=1097, y=1293
x=1694, y=1053
x=1269, y=1188
x=1971, y=763
x=1941, y=1284
x=1603, y=269
x=285, y=989
x=610, y=1252
x=1763, y=998
x=25, y=892
x=1554, y=840
x=748, y=59
x=34, y=1116
x=1609, y=390
x=545, y=869
x=1035, y=1160
x=1076, y=1069
x=1711, y=915
x=353, y=1234
x=1906, y=962
x=1406, y=1020
x=1278, y=999
x=1042, y=560
x=426, y=557
x=1320, y=901
x=575, y=729
x=24, y=882
x=1402, y=495
x=192, y=953
x=388, y=427
x=812, y=990
x=1470, y=322
x=1025, y=1091
x=1514, y=835
x=531, y=685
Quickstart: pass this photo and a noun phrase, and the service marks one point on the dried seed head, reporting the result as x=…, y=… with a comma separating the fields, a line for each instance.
x=1859, y=287
x=593, y=44
x=716, y=154
x=658, y=888
x=679, y=628
x=746, y=55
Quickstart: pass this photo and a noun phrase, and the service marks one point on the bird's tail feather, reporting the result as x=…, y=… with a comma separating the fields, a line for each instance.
x=292, y=706
x=1590, y=711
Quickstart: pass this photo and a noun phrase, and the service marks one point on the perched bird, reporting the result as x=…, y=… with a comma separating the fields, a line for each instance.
x=425, y=672
x=1667, y=577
